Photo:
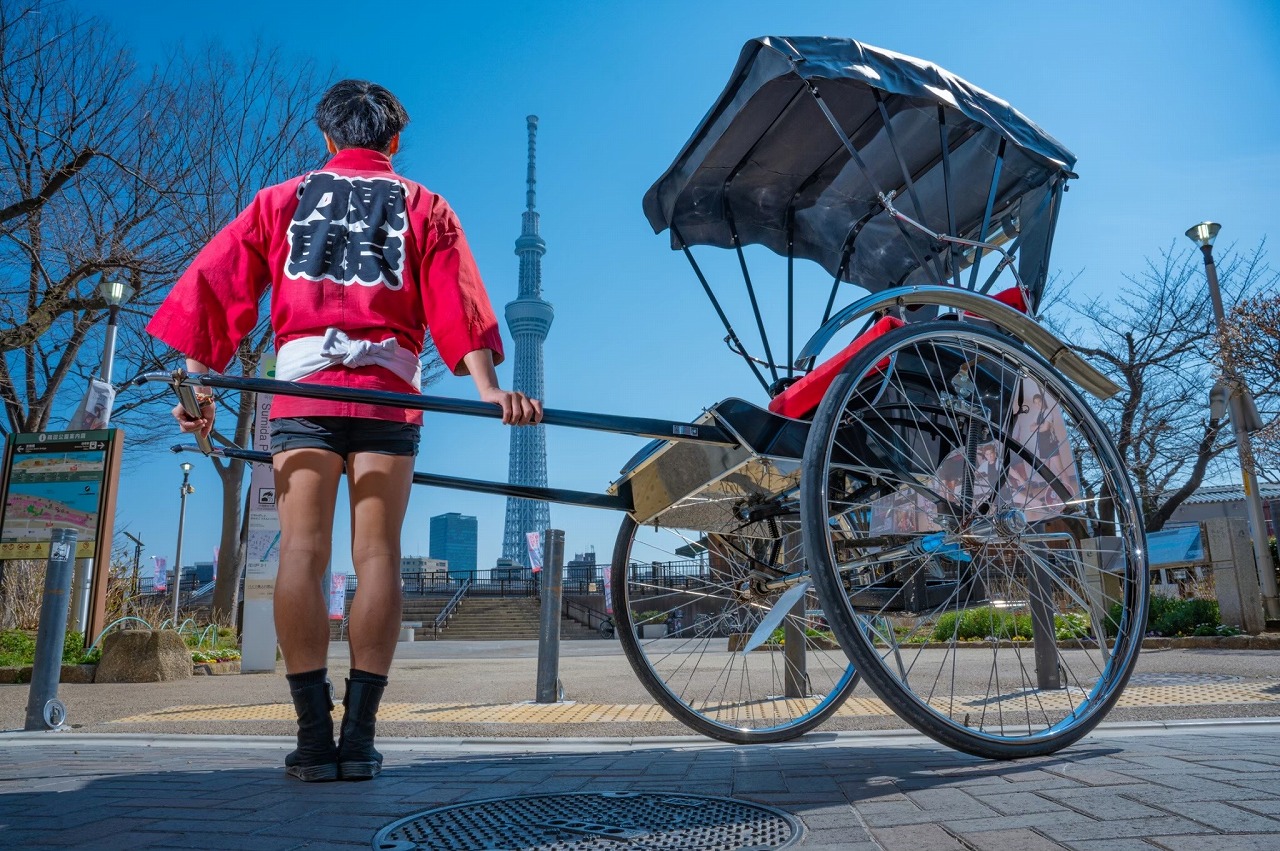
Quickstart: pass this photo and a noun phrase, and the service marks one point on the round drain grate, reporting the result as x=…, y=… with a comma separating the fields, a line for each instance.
x=609, y=821
x=1154, y=679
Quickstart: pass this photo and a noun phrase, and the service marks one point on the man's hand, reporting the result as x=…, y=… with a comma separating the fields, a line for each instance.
x=517, y=408
x=201, y=425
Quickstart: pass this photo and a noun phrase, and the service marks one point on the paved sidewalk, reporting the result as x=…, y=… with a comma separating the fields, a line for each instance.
x=1203, y=786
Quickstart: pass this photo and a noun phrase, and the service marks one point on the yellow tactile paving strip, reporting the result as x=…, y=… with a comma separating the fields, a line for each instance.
x=587, y=713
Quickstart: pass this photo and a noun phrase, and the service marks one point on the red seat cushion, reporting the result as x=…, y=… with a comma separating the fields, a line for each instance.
x=800, y=399
x=1012, y=297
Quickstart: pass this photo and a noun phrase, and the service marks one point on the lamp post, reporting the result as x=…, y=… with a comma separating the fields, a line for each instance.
x=116, y=294
x=137, y=558
x=182, y=519
x=1238, y=398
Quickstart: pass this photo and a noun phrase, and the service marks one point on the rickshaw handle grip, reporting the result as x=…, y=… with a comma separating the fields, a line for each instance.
x=187, y=397
x=1040, y=339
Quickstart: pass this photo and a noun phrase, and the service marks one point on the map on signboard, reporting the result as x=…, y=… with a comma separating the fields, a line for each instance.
x=55, y=481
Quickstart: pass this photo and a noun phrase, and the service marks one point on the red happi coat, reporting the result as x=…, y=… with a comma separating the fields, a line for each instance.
x=352, y=246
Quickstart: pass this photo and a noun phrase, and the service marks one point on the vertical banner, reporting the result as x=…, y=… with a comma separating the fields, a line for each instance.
x=262, y=555
x=535, y=550
x=337, y=596
x=159, y=578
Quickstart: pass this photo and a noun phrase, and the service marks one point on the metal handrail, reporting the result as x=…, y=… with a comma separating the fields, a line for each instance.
x=600, y=617
x=447, y=612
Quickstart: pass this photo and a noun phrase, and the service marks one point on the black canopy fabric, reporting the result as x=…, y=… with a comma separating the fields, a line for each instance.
x=766, y=160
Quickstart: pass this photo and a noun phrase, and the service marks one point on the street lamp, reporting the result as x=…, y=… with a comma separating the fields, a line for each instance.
x=116, y=294
x=182, y=519
x=137, y=557
x=1240, y=404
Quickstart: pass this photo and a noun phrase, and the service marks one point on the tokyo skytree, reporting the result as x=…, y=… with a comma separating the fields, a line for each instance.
x=529, y=319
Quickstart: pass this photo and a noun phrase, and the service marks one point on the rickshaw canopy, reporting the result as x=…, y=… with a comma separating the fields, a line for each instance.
x=766, y=166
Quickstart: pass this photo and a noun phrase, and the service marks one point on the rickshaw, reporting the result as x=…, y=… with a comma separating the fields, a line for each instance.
x=934, y=509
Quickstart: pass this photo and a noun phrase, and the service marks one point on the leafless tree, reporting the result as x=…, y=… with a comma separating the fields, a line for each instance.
x=1155, y=338
x=1251, y=337
x=86, y=148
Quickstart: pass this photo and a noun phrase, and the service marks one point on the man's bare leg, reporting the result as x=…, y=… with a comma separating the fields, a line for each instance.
x=306, y=490
x=379, y=487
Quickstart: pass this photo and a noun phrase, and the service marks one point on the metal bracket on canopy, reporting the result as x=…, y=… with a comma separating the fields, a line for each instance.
x=920, y=259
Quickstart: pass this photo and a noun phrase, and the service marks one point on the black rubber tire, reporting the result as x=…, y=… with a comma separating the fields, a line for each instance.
x=852, y=633
x=668, y=700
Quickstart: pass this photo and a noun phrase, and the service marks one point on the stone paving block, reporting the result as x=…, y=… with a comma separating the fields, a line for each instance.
x=1036, y=779
x=1127, y=844
x=759, y=781
x=1015, y=822
x=942, y=802
x=1233, y=842
x=1228, y=818
x=835, y=836
x=1144, y=827
x=308, y=830
x=1106, y=804
x=1017, y=803
x=1269, y=806
x=1239, y=766
x=915, y=838
x=1017, y=839
x=1090, y=776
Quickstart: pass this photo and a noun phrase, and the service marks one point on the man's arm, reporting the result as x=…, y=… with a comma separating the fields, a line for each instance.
x=517, y=408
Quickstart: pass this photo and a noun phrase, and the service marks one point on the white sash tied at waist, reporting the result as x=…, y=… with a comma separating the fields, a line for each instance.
x=308, y=355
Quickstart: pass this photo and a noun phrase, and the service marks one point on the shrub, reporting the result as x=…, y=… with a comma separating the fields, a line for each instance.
x=981, y=623
x=72, y=648
x=1170, y=617
x=16, y=647
x=651, y=616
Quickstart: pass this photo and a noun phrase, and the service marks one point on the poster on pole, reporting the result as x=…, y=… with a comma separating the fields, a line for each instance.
x=337, y=596
x=535, y=550
x=160, y=579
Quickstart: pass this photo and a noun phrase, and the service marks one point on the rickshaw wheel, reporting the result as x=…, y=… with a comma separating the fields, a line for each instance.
x=977, y=547
x=697, y=585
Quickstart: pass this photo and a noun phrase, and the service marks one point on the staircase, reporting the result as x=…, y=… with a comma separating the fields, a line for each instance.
x=505, y=618
x=482, y=619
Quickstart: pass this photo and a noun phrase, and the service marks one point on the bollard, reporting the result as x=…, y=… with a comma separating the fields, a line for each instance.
x=44, y=710
x=552, y=585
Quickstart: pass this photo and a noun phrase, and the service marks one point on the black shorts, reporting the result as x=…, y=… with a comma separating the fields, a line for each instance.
x=345, y=435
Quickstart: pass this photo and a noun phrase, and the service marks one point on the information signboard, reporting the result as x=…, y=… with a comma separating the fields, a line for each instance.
x=55, y=479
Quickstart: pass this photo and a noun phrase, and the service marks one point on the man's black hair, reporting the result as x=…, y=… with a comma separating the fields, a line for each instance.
x=360, y=114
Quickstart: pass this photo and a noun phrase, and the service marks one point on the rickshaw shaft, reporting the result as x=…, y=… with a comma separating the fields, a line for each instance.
x=639, y=426
x=563, y=496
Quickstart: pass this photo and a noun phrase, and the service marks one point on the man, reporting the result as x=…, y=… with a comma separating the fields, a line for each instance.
x=361, y=262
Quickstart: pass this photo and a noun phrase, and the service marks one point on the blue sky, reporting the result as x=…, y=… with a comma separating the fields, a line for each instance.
x=1170, y=108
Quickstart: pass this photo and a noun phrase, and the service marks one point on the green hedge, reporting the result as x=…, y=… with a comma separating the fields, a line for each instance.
x=18, y=648
x=1170, y=617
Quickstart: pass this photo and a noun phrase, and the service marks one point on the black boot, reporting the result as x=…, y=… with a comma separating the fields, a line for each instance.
x=357, y=759
x=316, y=758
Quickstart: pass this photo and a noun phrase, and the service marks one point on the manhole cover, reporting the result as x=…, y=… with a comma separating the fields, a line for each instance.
x=1180, y=679
x=610, y=821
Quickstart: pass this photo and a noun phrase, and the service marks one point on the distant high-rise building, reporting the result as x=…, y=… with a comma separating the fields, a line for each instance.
x=529, y=319
x=453, y=538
